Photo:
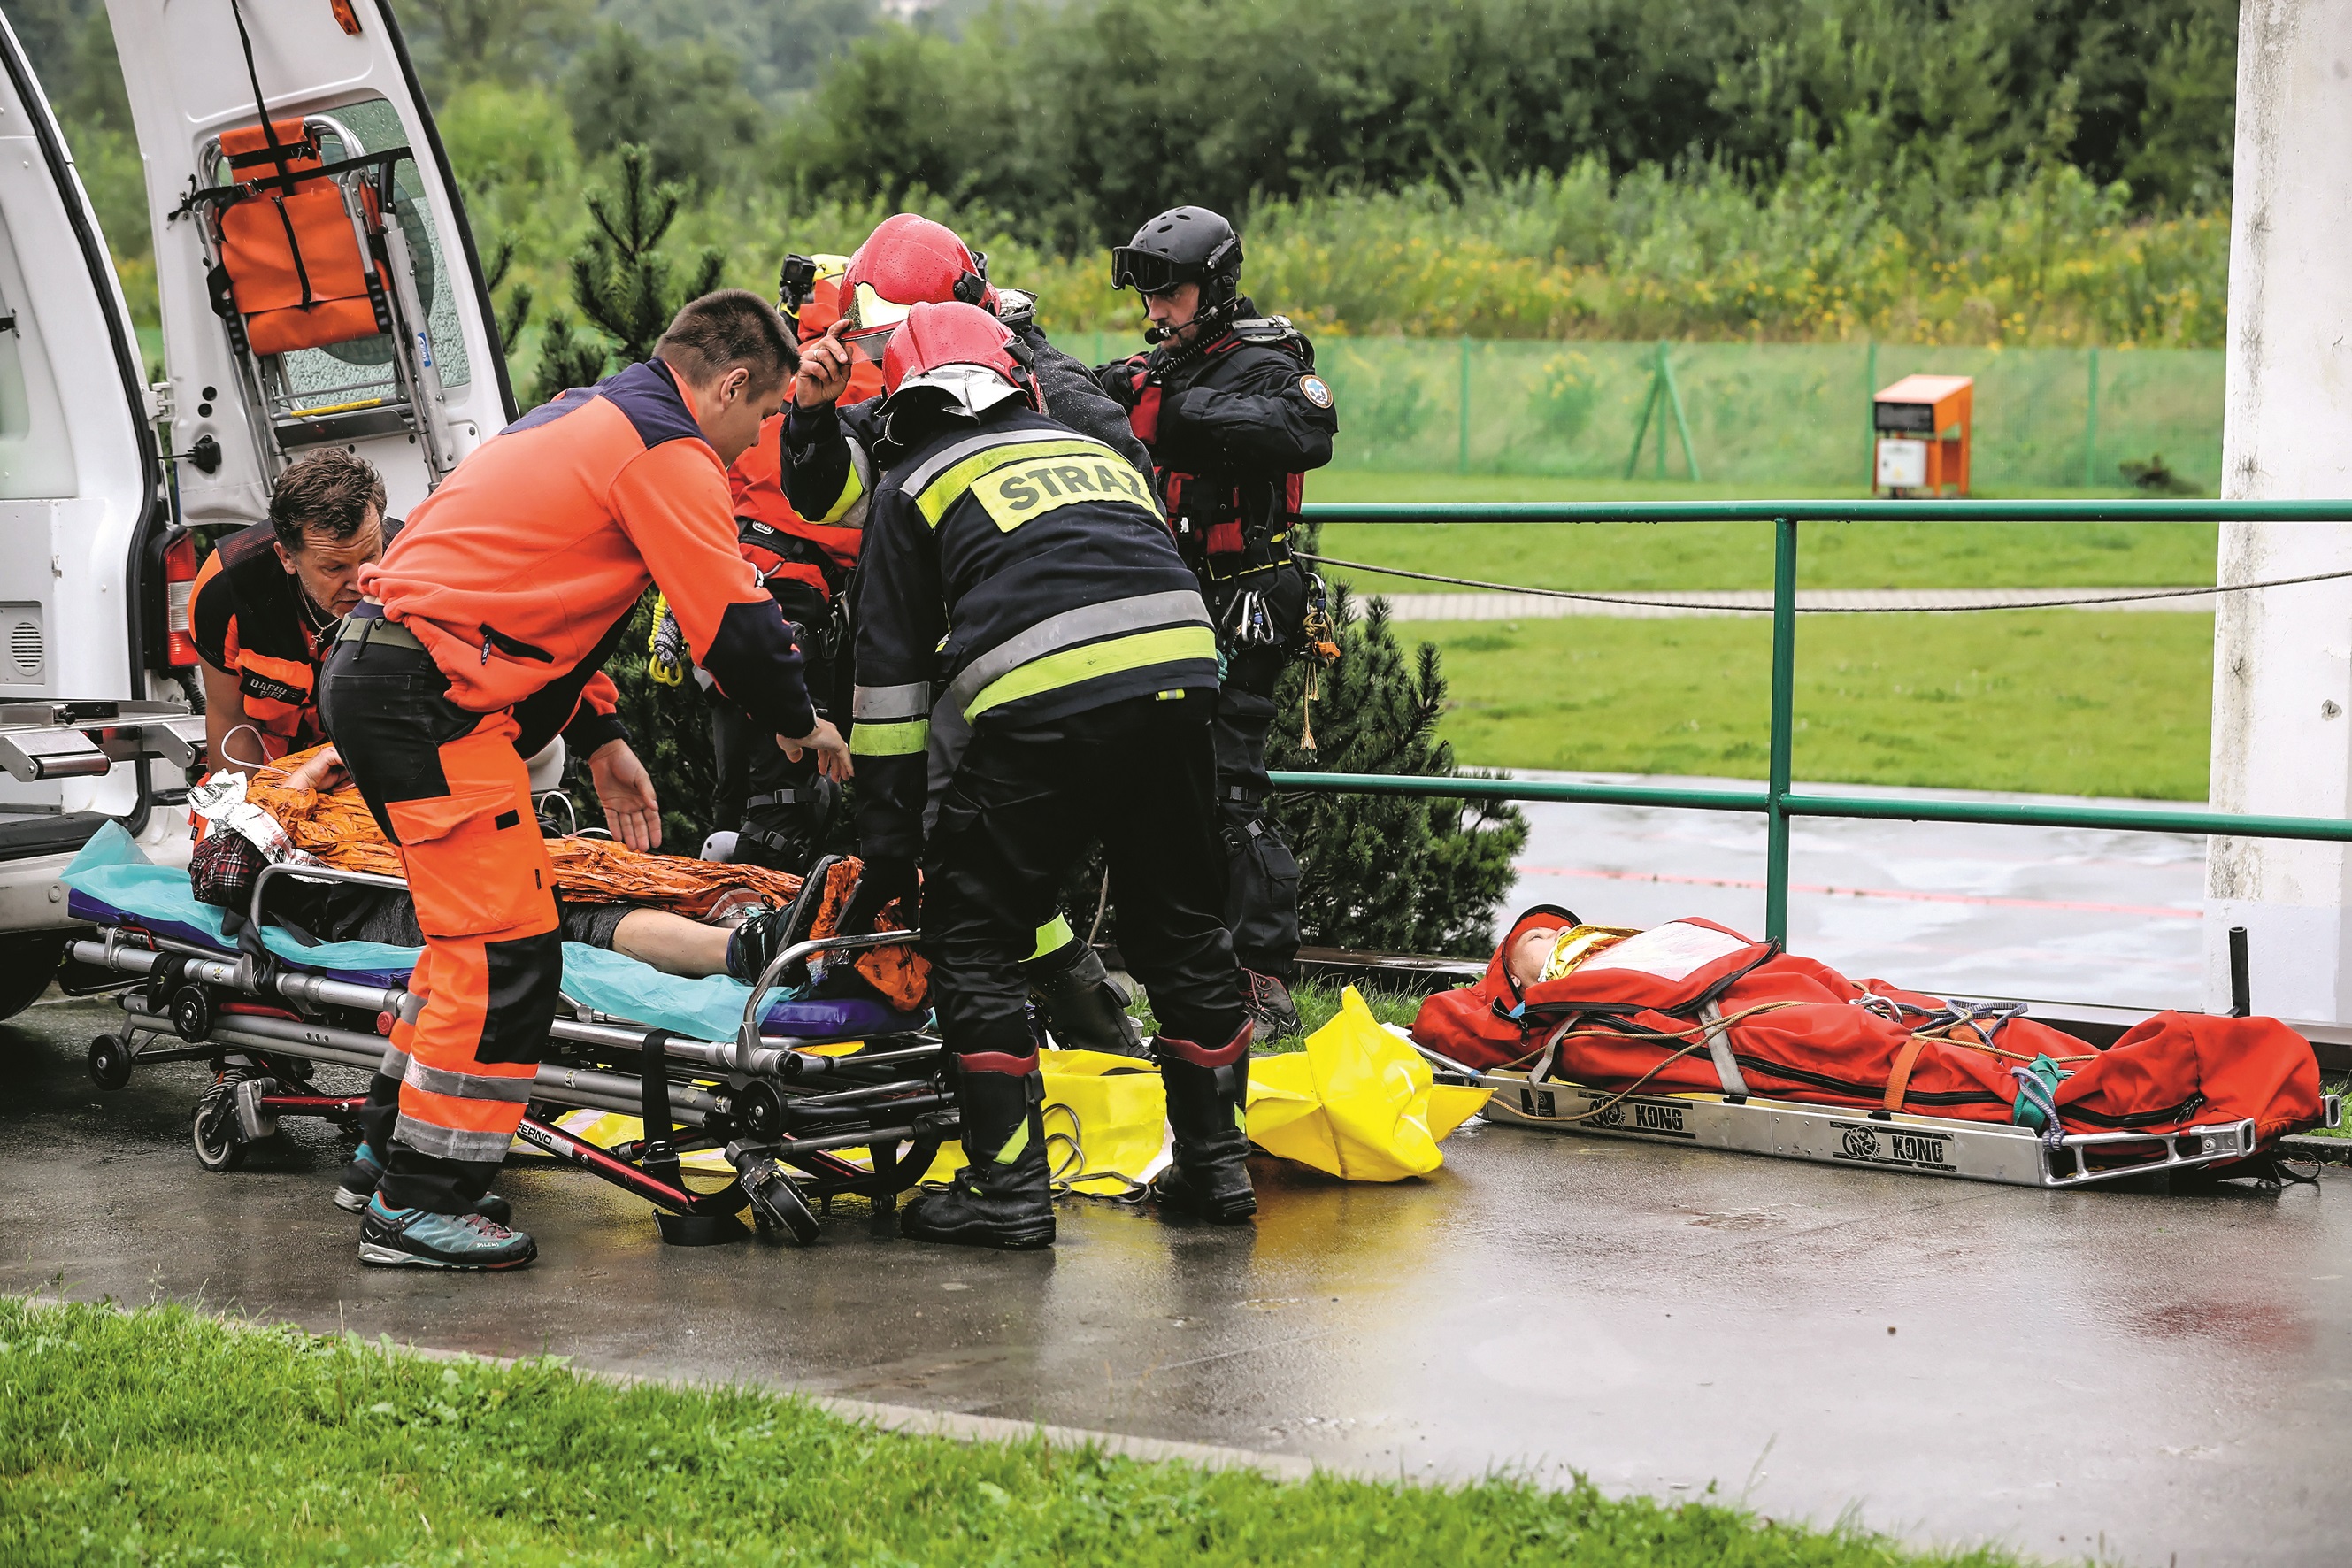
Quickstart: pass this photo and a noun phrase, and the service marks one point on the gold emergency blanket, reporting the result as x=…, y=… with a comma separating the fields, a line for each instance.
x=336, y=826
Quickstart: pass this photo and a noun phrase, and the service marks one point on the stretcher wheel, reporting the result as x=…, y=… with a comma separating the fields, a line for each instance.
x=778, y=1208
x=191, y=1014
x=109, y=1061
x=215, y=1132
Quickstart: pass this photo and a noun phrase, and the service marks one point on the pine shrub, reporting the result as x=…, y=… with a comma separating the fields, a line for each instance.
x=1379, y=872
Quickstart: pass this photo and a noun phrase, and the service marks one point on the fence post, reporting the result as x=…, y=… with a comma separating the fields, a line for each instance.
x=1462, y=461
x=1659, y=379
x=2091, y=426
x=1869, y=414
x=1784, y=688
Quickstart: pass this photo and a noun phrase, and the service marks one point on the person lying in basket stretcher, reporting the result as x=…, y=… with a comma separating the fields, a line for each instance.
x=1694, y=1007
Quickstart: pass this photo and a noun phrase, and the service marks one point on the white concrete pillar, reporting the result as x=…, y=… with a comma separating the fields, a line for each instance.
x=2283, y=658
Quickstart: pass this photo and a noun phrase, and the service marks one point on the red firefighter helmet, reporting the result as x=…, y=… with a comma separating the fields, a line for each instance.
x=962, y=351
x=907, y=262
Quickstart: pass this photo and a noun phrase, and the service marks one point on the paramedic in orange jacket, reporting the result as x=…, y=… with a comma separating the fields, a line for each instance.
x=270, y=595
x=505, y=593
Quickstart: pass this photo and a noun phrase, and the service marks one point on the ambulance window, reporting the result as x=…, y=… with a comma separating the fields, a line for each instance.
x=362, y=368
x=37, y=460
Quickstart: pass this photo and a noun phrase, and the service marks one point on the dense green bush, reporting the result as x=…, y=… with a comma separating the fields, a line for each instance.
x=1087, y=117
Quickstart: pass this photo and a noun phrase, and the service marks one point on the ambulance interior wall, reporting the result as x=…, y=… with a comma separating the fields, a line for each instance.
x=1761, y=416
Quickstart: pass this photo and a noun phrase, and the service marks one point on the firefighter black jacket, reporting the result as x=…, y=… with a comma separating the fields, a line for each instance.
x=1013, y=570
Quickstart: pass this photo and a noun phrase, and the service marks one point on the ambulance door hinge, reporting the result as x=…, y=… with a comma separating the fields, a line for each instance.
x=160, y=403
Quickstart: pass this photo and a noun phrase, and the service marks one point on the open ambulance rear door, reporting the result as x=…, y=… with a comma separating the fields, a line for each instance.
x=82, y=520
x=318, y=284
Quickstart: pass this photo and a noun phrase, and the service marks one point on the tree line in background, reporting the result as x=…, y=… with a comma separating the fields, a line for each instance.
x=1951, y=171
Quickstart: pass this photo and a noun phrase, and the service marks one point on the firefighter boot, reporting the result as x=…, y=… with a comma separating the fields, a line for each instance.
x=1208, y=1093
x=1004, y=1197
x=1084, y=1007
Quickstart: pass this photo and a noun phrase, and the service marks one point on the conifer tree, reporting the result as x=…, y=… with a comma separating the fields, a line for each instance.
x=626, y=290
x=1376, y=872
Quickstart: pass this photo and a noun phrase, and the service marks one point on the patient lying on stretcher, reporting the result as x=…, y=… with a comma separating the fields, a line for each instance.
x=1692, y=1006
x=690, y=918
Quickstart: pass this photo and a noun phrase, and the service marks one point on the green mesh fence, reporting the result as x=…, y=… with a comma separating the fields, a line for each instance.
x=1759, y=415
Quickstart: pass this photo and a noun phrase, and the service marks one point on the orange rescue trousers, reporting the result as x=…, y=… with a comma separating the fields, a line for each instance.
x=447, y=787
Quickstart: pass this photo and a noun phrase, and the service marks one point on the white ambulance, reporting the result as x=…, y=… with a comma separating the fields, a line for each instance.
x=319, y=286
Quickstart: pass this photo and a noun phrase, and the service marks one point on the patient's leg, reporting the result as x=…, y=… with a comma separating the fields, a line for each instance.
x=672, y=944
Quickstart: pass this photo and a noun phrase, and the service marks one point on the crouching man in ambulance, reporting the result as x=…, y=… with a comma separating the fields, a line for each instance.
x=503, y=595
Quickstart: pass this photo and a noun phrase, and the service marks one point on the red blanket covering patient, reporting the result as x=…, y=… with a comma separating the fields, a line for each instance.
x=1615, y=1008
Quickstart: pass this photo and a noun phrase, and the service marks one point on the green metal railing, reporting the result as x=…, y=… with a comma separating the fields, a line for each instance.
x=1776, y=801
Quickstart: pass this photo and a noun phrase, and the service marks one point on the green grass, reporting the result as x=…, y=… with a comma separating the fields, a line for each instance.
x=1317, y=1002
x=2059, y=701
x=164, y=1438
x=1620, y=556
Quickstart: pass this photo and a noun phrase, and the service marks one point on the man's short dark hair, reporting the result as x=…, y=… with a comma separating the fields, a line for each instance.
x=711, y=335
x=329, y=492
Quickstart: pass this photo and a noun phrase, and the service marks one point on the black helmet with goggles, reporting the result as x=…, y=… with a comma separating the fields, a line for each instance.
x=1184, y=245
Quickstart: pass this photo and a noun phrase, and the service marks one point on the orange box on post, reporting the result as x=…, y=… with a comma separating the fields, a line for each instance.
x=1922, y=443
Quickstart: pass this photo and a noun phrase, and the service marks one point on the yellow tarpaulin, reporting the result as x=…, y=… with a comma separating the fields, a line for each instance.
x=1358, y=1102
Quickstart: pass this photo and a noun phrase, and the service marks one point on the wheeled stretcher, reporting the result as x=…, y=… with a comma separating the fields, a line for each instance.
x=808, y=1099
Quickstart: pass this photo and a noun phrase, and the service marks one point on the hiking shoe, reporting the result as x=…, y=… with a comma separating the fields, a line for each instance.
x=416, y=1238
x=754, y=940
x=767, y=933
x=1269, y=1006
x=1084, y=1007
x=365, y=1171
x=360, y=1178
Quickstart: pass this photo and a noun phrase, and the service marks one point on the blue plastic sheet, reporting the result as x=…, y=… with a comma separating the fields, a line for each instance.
x=112, y=881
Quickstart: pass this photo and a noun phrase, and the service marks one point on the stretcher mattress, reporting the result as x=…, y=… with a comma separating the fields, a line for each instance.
x=110, y=882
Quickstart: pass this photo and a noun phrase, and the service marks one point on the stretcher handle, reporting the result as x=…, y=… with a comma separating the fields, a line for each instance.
x=314, y=873
x=747, y=1036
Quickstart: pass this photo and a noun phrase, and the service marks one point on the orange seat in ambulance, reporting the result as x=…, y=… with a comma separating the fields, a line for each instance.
x=292, y=271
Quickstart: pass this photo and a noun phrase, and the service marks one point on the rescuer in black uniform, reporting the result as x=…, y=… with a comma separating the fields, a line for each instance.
x=1235, y=416
x=829, y=464
x=1035, y=670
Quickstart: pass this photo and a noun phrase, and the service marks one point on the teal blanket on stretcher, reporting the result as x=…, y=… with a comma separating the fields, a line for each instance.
x=111, y=871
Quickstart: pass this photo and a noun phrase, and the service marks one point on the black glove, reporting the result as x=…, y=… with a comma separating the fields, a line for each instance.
x=884, y=877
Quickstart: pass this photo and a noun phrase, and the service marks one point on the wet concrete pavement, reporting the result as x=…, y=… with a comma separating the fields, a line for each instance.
x=2053, y=914
x=2157, y=1380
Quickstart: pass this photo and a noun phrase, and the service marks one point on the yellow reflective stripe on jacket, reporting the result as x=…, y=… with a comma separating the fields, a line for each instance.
x=948, y=488
x=853, y=493
x=1072, y=666
x=905, y=738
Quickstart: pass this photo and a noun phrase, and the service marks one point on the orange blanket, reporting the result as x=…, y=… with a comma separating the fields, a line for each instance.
x=336, y=826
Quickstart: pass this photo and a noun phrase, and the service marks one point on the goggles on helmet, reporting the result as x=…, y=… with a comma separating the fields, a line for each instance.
x=1148, y=271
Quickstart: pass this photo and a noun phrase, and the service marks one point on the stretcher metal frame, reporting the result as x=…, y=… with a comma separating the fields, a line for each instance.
x=1852, y=1138
x=786, y=1117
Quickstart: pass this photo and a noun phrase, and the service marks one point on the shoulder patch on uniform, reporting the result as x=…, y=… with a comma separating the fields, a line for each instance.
x=1317, y=390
